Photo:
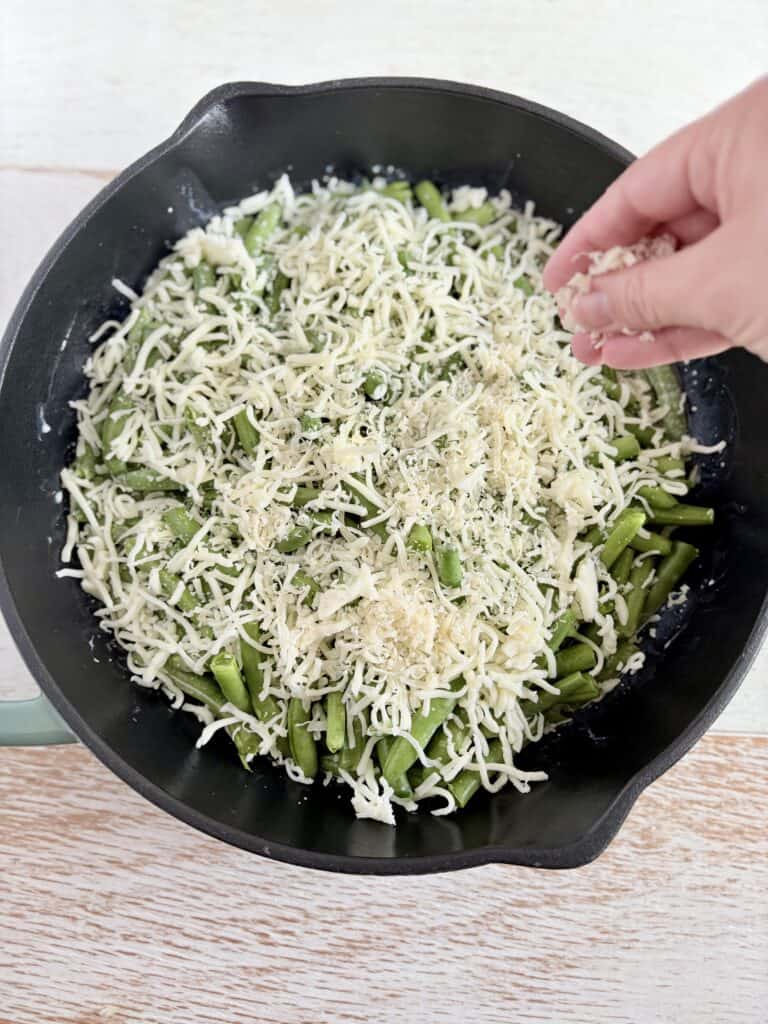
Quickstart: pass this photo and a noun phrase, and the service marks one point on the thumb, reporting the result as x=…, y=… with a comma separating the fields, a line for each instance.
x=672, y=291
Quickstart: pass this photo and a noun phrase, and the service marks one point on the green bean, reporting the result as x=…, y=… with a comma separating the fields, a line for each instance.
x=610, y=382
x=247, y=434
x=669, y=572
x=464, y=786
x=304, y=495
x=573, y=689
x=169, y=584
x=315, y=342
x=264, y=707
x=402, y=786
x=621, y=656
x=304, y=581
x=205, y=691
x=625, y=447
x=653, y=542
x=147, y=480
x=683, y=515
x=419, y=538
x=622, y=567
x=262, y=227
x=524, y=284
x=137, y=335
x=657, y=497
x=310, y=424
x=382, y=748
x=454, y=732
x=636, y=597
x=403, y=754
x=371, y=509
x=227, y=675
x=667, y=464
x=645, y=435
x=577, y=658
x=84, y=465
x=200, y=434
x=375, y=385
x=336, y=722
x=449, y=568
x=564, y=627
x=279, y=284
x=430, y=198
x=203, y=276
x=400, y=190
x=624, y=529
x=402, y=259
x=302, y=743
x=242, y=226
x=180, y=523
x=664, y=382
x=452, y=365
x=297, y=538
x=112, y=427
x=349, y=757
x=481, y=215
x=330, y=764
x=594, y=536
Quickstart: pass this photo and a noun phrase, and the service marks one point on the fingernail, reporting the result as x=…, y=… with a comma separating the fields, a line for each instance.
x=591, y=310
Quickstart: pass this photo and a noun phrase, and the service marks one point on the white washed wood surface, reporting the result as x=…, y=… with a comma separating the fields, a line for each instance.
x=112, y=910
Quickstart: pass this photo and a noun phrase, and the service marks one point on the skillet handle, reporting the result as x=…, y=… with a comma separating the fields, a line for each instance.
x=31, y=723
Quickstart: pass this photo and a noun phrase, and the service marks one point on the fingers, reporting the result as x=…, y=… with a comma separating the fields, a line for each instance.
x=671, y=345
x=672, y=291
x=658, y=188
x=692, y=227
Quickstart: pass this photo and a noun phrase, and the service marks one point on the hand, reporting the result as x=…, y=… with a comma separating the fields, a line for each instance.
x=708, y=186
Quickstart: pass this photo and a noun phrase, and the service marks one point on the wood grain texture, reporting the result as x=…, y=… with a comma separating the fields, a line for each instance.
x=89, y=91
x=113, y=910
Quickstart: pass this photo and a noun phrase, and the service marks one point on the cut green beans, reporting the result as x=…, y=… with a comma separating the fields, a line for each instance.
x=403, y=753
x=683, y=515
x=419, y=538
x=480, y=215
x=400, y=190
x=565, y=626
x=657, y=497
x=645, y=435
x=147, y=480
x=430, y=198
x=264, y=225
x=242, y=227
x=664, y=382
x=610, y=382
x=279, y=285
x=350, y=755
x=577, y=658
x=624, y=529
x=622, y=567
x=310, y=424
x=635, y=599
x=227, y=675
x=668, y=575
x=467, y=783
x=375, y=385
x=574, y=690
x=668, y=464
x=336, y=722
x=205, y=690
x=180, y=523
x=247, y=434
x=651, y=542
x=625, y=447
x=120, y=407
x=302, y=743
x=169, y=584
x=304, y=581
x=524, y=284
x=203, y=276
x=304, y=495
x=297, y=538
x=265, y=706
x=449, y=568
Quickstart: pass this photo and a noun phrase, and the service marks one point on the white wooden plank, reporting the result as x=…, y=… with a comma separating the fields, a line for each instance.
x=114, y=911
x=36, y=206
x=100, y=97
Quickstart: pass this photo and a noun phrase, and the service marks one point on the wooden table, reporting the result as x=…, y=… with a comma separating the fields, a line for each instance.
x=113, y=911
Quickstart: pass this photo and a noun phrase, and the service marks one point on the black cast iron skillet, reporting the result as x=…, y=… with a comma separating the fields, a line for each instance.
x=236, y=139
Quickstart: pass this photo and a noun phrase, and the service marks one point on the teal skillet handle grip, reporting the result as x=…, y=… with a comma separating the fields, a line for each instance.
x=31, y=723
